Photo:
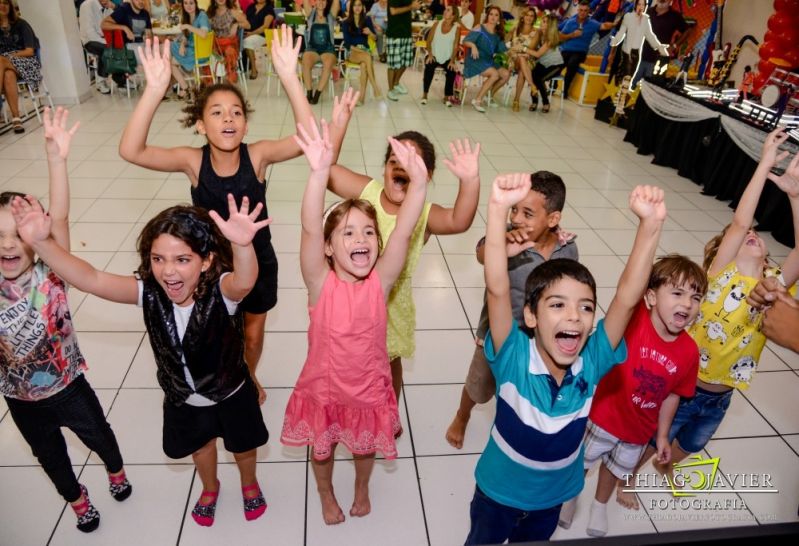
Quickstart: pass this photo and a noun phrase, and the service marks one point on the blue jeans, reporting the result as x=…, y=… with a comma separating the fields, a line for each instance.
x=697, y=419
x=494, y=523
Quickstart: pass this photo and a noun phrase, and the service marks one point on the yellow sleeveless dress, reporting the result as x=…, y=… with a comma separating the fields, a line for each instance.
x=401, y=310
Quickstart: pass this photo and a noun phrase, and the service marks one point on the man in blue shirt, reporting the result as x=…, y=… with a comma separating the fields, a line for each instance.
x=576, y=34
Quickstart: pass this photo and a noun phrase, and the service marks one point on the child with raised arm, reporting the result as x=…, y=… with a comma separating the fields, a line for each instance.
x=225, y=164
x=41, y=366
x=386, y=197
x=637, y=400
x=727, y=329
x=344, y=392
x=533, y=237
x=195, y=269
x=533, y=460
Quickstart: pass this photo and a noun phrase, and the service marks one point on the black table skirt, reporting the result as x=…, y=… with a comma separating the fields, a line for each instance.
x=703, y=152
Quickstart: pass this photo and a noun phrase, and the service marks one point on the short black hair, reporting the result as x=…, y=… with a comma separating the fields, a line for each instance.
x=549, y=272
x=553, y=189
x=7, y=196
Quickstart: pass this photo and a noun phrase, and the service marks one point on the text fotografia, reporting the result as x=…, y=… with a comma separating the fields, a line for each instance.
x=698, y=476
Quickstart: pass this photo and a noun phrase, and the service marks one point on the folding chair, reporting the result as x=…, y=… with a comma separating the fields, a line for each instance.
x=203, y=57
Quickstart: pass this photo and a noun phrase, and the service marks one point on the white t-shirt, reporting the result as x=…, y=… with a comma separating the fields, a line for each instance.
x=90, y=18
x=182, y=315
x=468, y=20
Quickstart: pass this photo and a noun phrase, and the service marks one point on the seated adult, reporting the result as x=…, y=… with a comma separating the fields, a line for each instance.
x=524, y=37
x=158, y=9
x=18, y=60
x=260, y=15
x=550, y=61
x=226, y=19
x=320, y=25
x=133, y=20
x=466, y=15
x=91, y=15
x=486, y=41
x=357, y=28
x=193, y=21
x=576, y=34
x=442, y=52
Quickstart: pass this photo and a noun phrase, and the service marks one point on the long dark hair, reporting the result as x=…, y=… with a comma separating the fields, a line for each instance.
x=500, y=28
x=193, y=226
x=212, y=7
x=12, y=12
x=185, y=18
x=353, y=26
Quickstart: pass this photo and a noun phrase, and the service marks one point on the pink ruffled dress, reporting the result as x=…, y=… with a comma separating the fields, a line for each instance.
x=344, y=393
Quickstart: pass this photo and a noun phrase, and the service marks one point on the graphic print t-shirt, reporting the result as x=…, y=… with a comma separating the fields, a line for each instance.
x=39, y=353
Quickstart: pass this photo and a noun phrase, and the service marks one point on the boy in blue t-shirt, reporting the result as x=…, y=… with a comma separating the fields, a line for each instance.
x=533, y=460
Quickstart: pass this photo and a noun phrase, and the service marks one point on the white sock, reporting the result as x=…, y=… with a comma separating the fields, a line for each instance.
x=598, y=520
x=567, y=513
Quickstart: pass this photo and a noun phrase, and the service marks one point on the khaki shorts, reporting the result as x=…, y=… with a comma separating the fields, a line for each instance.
x=480, y=384
x=620, y=457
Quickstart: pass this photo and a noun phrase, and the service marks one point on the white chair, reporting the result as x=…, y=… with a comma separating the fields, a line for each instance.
x=92, y=62
x=551, y=83
x=37, y=94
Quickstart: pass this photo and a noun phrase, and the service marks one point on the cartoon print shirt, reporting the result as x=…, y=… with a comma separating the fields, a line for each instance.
x=727, y=330
x=628, y=399
x=39, y=349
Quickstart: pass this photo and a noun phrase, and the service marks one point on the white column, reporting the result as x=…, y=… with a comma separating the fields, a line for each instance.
x=56, y=25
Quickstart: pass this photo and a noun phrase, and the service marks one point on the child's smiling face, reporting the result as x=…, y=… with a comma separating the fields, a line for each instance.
x=563, y=319
x=177, y=268
x=673, y=308
x=395, y=179
x=530, y=214
x=16, y=257
x=353, y=246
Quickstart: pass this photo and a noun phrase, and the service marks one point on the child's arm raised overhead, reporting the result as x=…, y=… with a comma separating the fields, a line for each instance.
x=133, y=146
x=789, y=183
x=342, y=181
x=506, y=191
x=745, y=211
x=465, y=164
x=34, y=227
x=319, y=153
x=391, y=262
x=647, y=203
x=284, y=59
x=239, y=229
x=57, y=139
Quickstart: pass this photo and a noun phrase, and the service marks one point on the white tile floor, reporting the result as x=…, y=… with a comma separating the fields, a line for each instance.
x=423, y=496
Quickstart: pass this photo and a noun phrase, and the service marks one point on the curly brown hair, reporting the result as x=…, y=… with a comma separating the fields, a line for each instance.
x=339, y=211
x=198, y=100
x=193, y=226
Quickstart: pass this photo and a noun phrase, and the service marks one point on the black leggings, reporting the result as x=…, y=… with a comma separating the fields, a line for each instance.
x=76, y=408
x=572, y=60
x=429, y=71
x=541, y=74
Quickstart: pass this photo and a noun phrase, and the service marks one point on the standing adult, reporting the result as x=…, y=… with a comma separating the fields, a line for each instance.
x=18, y=61
x=90, y=18
x=670, y=28
x=399, y=44
x=635, y=28
x=576, y=34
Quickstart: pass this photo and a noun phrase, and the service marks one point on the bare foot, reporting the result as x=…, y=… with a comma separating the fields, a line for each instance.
x=331, y=511
x=627, y=499
x=457, y=431
x=361, y=505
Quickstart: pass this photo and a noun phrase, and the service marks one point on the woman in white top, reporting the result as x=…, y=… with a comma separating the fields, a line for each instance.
x=442, y=51
x=635, y=28
x=466, y=17
x=158, y=9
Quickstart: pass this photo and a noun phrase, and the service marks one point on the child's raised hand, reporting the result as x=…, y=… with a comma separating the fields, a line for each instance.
x=465, y=162
x=317, y=147
x=240, y=227
x=343, y=107
x=411, y=161
x=57, y=137
x=648, y=202
x=285, y=52
x=509, y=189
x=33, y=224
x=157, y=66
x=770, y=156
x=789, y=180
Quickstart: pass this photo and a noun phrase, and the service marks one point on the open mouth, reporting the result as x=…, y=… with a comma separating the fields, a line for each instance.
x=173, y=288
x=229, y=132
x=680, y=319
x=360, y=256
x=10, y=262
x=400, y=181
x=568, y=341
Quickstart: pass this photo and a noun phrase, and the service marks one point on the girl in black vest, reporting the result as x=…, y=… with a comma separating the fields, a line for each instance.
x=195, y=269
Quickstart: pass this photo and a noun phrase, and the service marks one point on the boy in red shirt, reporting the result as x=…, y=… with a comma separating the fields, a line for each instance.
x=637, y=400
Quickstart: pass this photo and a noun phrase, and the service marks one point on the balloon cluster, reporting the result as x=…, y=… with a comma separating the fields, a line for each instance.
x=780, y=42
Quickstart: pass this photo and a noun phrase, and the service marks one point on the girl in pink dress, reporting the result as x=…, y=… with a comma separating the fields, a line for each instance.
x=344, y=392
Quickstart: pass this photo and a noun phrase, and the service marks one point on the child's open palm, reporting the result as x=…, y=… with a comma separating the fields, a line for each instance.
x=316, y=146
x=285, y=52
x=57, y=137
x=411, y=161
x=33, y=224
x=509, y=189
x=240, y=227
x=771, y=146
x=157, y=66
x=343, y=107
x=465, y=162
x=789, y=180
x=648, y=202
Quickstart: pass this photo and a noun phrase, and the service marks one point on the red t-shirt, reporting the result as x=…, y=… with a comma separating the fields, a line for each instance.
x=627, y=400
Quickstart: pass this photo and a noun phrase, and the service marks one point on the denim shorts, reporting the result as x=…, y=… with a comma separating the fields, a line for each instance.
x=697, y=419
